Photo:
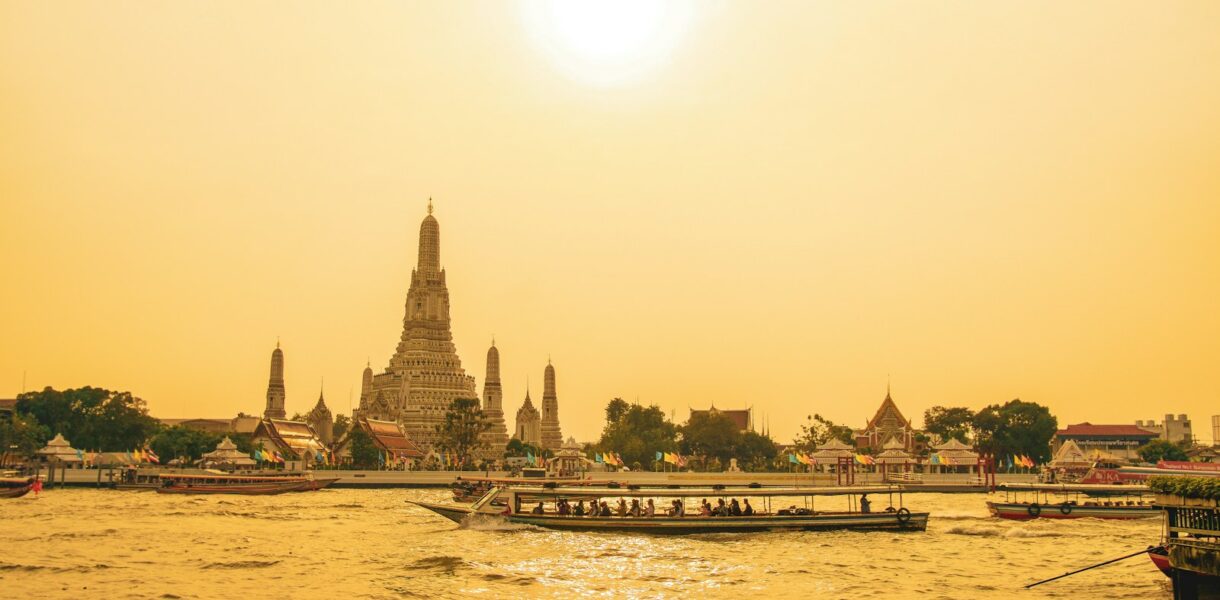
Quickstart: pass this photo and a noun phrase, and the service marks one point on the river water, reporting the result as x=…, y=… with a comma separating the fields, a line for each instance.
x=79, y=543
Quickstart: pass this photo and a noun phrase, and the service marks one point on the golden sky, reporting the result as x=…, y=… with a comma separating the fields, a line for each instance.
x=769, y=204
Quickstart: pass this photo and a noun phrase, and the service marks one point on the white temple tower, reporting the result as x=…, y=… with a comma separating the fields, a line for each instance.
x=552, y=437
x=495, y=438
x=275, y=386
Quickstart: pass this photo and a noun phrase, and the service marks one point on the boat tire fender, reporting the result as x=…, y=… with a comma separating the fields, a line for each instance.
x=904, y=515
x=1034, y=509
x=1065, y=508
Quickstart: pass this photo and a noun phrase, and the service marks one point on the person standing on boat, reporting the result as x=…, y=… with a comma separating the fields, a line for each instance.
x=865, y=505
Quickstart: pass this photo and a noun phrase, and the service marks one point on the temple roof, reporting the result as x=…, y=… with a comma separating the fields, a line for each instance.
x=952, y=444
x=740, y=416
x=1070, y=454
x=834, y=444
x=59, y=449
x=295, y=436
x=887, y=405
x=387, y=435
x=226, y=452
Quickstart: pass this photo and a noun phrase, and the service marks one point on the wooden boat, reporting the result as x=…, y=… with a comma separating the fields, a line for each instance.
x=238, y=484
x=1073, y=501
x=513, y=503
x=15, y=487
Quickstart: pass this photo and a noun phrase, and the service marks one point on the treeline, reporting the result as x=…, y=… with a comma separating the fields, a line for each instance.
x=1013, y=428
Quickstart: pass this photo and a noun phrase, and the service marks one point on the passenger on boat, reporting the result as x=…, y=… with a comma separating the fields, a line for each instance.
x=651, y=509
x=635, y=507
x=735, y=508
x=748, y=510
x=622, y=507
x=580, y=508
x=865, y=505
x=679, y=510
x=537, y=509
x=721, y=509
x=564, y=508
x=705, y=509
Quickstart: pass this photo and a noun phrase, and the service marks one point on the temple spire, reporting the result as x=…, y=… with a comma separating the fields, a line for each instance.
x=429, y=243
x=275, y=385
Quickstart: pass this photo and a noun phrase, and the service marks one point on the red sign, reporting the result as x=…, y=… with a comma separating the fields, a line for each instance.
x=1181, y=465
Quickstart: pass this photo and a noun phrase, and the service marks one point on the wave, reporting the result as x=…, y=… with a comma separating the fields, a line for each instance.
x=242, y=564
x=976, y=531
x=492, y=523
x=958, y=515
x=1022, y=532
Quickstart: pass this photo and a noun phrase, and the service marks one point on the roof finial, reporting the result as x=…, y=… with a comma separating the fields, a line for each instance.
x=493, y=340
x=429, y=204
x=277, y=341
x=887, y=385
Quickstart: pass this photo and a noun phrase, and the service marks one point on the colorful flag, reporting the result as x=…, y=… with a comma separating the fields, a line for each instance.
x=152, y=456
x=661, y=456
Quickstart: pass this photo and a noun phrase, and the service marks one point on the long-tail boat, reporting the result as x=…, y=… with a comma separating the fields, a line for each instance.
x=1024, y=501
x=238, y=484
x=469, y=489
x=775, y=509
x=15, y=487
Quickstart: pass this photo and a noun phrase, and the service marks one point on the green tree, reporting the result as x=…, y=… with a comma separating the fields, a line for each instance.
x=954, y=422
x=462, y=428
x=187, y=444
x=342, y=424
x=1015, y=427
x=364, y=453
x=818, y=430
x=756, y=451
x=92, y=418
x=1161, y=450
x=710, y=434
x=517, y=447
x=21, y=437
x=636, y=432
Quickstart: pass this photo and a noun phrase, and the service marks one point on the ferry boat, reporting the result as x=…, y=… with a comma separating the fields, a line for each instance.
x=15, y=487
x=226, y=483
x=1023, y=501
x=776, y=509
x=469, y=489
x=1138, y=475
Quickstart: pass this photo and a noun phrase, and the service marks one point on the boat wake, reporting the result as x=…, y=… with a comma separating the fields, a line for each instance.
x=493, y=523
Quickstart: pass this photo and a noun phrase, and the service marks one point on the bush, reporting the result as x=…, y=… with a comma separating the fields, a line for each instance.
x=1202, y=488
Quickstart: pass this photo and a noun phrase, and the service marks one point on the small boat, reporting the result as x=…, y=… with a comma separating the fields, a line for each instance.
x=1160, y=557
x=227, y=483
x=15, y=487
x=770, y=514
x=1024, y=501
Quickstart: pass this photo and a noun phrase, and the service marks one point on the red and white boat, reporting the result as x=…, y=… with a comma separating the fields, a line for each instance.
x=1073, y=501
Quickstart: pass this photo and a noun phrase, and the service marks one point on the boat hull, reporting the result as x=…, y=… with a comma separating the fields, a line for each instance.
x=15, y=492
x=245, y=490
x=1022, y=512
x=688, y=525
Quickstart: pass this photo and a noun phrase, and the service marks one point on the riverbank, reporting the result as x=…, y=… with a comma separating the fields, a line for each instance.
x=932, y=482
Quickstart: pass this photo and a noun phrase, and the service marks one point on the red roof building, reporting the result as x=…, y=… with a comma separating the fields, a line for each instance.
x=1121, y=441
x=743, y=418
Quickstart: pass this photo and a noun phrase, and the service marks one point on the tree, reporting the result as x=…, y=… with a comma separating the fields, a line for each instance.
x=636, y=432
x=190, y=444
x=364, y=453
x=818, y=430
x=517, y=447
x=954, y=422
x=342, y=424
x=462, y=430
x=710, y=434
x=21, y=436
x=1016, y=427
x=92, y=418
x=756, y=451
x=1161, y=450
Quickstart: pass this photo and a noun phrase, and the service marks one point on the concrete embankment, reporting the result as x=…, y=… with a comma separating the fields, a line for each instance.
x=932, y=482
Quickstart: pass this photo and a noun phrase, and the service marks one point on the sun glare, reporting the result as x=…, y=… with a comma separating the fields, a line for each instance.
x=607, y=42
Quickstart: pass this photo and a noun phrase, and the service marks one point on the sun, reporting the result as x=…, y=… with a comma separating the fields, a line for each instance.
x=607, y=42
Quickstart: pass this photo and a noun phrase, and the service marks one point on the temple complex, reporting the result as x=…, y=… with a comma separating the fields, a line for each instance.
x=275, y=386
x=496, y=437
x=425, y=374
x=529, y=423
x=552, y=437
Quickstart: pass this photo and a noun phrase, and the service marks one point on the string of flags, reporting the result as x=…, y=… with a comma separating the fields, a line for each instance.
x=671, y=458
x=609, y=458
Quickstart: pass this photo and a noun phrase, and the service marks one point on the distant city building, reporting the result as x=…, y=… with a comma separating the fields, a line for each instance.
x=1172, y=429
x=322, y=421
x=424, y=375
x=1117, y=441
x=743, y=417
x=552, y=437
x=887, y=424
x=496, y=437
x=275, y=386
x=529, y=423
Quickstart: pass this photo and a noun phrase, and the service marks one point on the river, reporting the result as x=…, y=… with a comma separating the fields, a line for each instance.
x=80, y=543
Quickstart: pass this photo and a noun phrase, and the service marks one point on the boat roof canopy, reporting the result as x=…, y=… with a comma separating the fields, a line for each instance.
x=690, y=491
x=1096, y=488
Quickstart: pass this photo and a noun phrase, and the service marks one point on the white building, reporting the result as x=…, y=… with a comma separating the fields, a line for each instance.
x=1172, y=429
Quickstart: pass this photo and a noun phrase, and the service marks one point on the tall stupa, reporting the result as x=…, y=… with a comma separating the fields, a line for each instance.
x=552, y=437
x=275, y=386
x=495, y=438
x=425, y=374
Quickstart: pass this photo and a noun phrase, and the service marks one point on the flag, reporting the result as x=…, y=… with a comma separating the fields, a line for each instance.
x=1029, y=462
x=792, y=458
x=529, y=457
x=805, y=459
x=258, y=455
x=597, y=457
x=152, y=456
x=661, y=457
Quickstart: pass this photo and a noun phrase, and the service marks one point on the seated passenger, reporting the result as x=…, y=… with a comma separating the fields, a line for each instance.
x=635, y=507
x=622, y=507
x=721, y=509
x=650, y=510
x=604, y=511
x=734, y=508
x=748, y=510
x=705, y=509
x=537, y=509
x=564, y=508
x=580, y=508
x=865, y=505
x=679, y=508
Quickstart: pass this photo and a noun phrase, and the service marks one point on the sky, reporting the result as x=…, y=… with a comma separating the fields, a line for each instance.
x=783, y=205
